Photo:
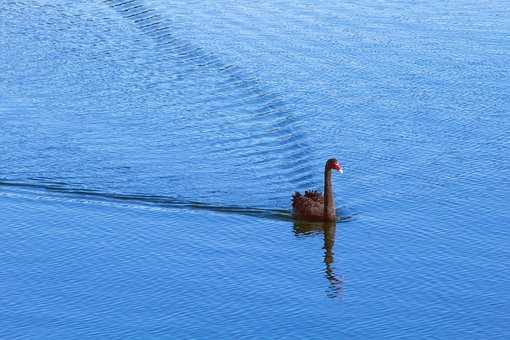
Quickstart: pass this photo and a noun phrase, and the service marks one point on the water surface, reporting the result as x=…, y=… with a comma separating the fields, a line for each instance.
x=149, y=150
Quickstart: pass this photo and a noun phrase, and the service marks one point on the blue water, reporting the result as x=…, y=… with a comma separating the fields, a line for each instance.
x=148, y=151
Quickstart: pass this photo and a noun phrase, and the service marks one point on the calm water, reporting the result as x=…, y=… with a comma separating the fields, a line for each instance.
x=148, y=150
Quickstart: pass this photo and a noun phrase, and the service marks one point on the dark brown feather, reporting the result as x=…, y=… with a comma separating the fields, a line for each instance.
x=309, y=206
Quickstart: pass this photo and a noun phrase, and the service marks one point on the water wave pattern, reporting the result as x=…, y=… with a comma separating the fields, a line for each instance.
x=414, y=100
x=133, y=108
x=64, y=191
x=45, y=188
x=281, y=146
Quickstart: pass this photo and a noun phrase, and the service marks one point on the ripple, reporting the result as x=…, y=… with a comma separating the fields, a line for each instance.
x=40, y=186
x=260, y=105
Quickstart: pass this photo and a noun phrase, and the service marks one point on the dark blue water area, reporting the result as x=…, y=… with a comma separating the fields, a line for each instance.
x=149, y=149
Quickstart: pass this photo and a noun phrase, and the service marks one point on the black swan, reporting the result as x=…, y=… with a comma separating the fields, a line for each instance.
x=313, y=206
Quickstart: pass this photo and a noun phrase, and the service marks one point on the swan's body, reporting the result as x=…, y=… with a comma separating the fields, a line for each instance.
x=313, y=205
x=308, y=207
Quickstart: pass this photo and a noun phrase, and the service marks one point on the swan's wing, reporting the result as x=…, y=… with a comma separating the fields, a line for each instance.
x=308, y=206
x=315, y=195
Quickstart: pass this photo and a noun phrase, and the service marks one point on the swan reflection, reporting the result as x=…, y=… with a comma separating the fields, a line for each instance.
x=328, y=230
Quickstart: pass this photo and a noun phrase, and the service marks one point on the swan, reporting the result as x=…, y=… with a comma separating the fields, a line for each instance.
x=313, y=206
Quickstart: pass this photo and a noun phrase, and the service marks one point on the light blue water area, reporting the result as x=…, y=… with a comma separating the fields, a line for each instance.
x=148, y=151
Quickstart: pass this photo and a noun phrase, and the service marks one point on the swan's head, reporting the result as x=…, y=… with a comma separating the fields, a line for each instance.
x=332, y=163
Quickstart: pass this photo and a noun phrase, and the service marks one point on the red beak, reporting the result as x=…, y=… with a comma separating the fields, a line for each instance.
x=338, y=167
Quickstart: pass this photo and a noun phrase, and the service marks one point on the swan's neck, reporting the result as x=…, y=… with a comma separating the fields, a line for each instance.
x=329, y=201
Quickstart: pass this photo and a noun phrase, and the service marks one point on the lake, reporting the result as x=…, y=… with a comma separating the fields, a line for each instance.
x=149, y=150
